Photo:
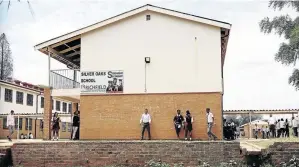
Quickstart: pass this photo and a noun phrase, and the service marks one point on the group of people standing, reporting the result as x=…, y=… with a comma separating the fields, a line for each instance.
x=180, y=122
x=281, y=127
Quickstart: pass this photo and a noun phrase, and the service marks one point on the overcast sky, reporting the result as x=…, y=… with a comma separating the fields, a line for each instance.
x=253, y=80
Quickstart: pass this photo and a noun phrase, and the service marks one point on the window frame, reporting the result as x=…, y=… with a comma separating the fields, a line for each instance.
x=30, y=124
x=57, y=105
x=21, y=123
x=28, y=102
x=4, y=122
x=70, y=108
x=64, y=107
x=17, y=97
x=42, y=102
x=11, y=95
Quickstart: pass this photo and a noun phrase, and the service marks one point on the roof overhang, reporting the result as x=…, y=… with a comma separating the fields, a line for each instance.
x=67, y=48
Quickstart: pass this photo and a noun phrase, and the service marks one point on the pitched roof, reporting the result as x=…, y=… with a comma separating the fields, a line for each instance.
x=131, y=13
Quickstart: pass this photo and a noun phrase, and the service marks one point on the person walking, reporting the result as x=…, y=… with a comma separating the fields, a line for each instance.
x=278, y=128
x=10, y=123
x=178, y=121
x=55, y=126
x=256, y=131
x=145, y=121
x=282, y=127
x=76, y=121
x=295, y=126
x=188, y=125
x=210, y=122
x=271, y=122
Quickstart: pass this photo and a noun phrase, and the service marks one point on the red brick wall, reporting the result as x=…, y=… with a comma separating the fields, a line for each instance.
x=283, y=151
x=99, y=153
x=117, y=116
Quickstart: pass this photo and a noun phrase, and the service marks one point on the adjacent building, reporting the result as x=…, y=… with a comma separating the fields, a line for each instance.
x=149, y=57
x=27, y=101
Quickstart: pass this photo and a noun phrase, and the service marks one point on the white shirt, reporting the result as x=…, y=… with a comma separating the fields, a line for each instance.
x=271, y=121
x=282, y=124
x=278, y=125
x=10, y=120
x=294, y=123
x=145, y=118
x=31, y=136
x=210, y=117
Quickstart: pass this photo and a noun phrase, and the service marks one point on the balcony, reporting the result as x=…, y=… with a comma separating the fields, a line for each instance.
x=65, y=79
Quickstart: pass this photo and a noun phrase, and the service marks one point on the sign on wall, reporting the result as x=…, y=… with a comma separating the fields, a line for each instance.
x=102, y=81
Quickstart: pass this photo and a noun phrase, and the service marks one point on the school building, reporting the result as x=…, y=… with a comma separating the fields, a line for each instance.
x=27, y=102
x=149, y=57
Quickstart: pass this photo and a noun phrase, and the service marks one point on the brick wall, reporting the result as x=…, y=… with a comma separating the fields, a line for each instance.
x=98, y=153
x=117, y=116
x=283, y=151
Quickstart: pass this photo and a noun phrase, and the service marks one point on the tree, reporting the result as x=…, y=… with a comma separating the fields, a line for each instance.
x=288, y=52
x=6, y=61
x=9, y=4
x=241, y=120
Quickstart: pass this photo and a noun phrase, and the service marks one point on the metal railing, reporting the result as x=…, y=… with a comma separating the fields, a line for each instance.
x=65, y=79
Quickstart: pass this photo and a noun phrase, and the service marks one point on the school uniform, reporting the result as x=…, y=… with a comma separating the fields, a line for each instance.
x=145, y=121
x=178, y=121
x=188, y=128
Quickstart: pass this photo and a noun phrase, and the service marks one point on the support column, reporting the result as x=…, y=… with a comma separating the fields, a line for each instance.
x=47, y=114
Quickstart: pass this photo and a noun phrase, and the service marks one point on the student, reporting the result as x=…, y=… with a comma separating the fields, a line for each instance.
x=210, y=121
x=295, y=126
x=10, y=124
x=55, y=126
x=178, y=121
x=271, y=122
x=188, y=126
x=22, y=136
x=264, y=131
x=256, y=131
x=287, y=128
x=30, y=135
x=278, y=128
x=267, y=132
x=282, y=127
x=145, y=121
x=76, y=121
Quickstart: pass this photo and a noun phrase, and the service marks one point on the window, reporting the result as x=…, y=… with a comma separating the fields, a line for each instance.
x=41, y=125
x=20, y=97
x=29, y=100
x=8, y=95
x=63, y=124
x=57, y=105
x=30, y=124
x=4, y=123
x=148, y=17
x=70, y=107
x=69, y=127
x=20, y=123
x=64, y=106
x=42, y=100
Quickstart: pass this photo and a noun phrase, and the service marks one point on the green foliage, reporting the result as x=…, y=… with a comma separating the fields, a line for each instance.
x=288, y=52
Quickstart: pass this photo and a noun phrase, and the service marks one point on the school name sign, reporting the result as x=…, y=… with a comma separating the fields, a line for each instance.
x=102, y=81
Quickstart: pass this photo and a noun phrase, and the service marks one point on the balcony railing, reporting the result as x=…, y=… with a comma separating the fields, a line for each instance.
x=65, y=79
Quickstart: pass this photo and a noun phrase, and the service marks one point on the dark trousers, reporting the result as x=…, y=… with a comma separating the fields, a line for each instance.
x=287, y=132
x=264, y=134
x=188, y=131
x=273, y=130
x=178, y=129
x=295, y=131
x=147, y=127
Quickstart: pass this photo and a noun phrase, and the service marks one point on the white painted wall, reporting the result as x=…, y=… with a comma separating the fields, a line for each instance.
x=179, y=63
x=6, y=107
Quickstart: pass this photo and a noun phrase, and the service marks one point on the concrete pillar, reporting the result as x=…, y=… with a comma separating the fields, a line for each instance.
x=47, y=113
